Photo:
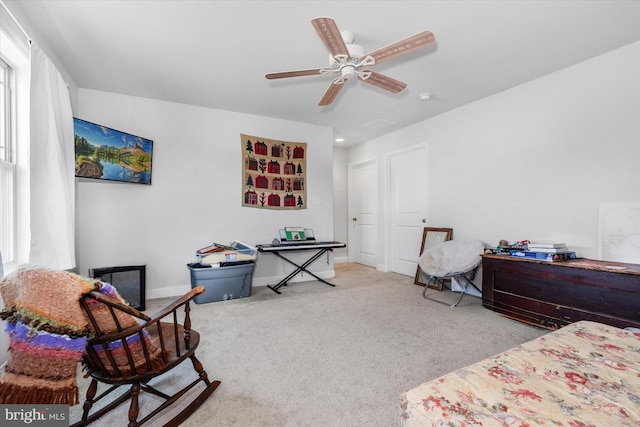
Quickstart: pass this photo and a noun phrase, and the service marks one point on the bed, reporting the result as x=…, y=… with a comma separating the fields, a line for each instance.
x=586, y=374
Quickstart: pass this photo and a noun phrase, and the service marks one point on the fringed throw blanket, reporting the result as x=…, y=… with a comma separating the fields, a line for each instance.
x=47, y=333
x=113, y=355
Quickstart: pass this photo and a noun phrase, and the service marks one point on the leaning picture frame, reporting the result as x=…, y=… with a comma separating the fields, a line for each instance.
x=430, y=238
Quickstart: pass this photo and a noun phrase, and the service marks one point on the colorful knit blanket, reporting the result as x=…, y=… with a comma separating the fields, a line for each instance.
x=119, y=360
x=47, y=334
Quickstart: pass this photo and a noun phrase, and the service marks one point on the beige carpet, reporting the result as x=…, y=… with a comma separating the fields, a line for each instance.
x=322, y=356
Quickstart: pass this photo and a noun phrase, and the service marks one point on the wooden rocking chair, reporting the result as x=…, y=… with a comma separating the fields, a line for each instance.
x=122, y=355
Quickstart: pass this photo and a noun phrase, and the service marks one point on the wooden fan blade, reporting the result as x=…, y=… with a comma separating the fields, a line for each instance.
x=330, y=35
x=297, y=73
x=331, y=93
x=403, y=47
x=384, y=82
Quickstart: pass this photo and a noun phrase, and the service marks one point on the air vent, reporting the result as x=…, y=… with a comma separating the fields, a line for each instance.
x=379, y=124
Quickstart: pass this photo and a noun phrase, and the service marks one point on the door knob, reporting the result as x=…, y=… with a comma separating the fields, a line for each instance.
x=354, y=219
x=424, y=220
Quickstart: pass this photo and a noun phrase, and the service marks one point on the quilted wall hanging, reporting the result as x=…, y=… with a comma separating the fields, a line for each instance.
x=273, y=173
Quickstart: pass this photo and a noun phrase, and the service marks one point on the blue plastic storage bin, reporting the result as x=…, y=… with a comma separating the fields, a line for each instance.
x=222, y=283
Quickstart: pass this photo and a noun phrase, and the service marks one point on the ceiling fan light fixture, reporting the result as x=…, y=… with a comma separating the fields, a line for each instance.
x=356, y=52
x=356, y=55
x=348, y=71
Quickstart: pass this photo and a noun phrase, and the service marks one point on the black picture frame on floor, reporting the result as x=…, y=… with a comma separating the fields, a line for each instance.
x=129, y=281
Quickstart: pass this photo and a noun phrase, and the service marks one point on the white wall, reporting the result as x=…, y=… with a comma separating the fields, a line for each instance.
x=195, y=197
x=536, y=161
x=341, y=211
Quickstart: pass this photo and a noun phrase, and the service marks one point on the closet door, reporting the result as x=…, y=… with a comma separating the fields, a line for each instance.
x=407, y=207
x=363, y=212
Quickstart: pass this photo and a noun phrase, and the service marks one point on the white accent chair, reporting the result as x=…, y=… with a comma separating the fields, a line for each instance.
x=454, y=259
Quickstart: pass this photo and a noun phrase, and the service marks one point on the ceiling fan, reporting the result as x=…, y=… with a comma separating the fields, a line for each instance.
x=348, y=59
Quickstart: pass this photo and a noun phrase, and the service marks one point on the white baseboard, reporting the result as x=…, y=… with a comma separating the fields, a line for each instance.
x=176, y=291
x=342, y=259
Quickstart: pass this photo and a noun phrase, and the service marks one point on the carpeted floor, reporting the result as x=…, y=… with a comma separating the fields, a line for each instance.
x=322, y=356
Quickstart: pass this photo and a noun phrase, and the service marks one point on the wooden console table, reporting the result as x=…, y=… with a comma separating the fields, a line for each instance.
x=554, y=294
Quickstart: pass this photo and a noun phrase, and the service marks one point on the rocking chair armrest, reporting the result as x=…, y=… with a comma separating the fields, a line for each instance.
x=132, y=311
x=177, y=303
x=148, y=321
x=125, y=333
x=117, y=304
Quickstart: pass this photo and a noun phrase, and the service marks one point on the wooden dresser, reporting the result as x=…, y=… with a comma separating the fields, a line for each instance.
x=554, y=294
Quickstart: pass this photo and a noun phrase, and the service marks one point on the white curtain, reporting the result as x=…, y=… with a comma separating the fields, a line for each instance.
x=52, y=167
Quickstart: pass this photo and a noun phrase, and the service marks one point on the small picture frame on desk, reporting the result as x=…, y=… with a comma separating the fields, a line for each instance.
x=430, y=238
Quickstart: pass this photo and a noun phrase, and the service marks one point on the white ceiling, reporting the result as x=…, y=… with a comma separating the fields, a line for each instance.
x=215, y=53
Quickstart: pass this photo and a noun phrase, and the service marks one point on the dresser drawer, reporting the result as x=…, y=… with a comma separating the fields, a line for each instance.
x=550, y=315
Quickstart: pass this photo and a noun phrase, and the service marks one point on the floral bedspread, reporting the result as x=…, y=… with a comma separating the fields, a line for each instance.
x=584, y=375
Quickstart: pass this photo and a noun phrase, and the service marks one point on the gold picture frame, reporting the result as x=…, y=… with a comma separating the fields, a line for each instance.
x=431, y=237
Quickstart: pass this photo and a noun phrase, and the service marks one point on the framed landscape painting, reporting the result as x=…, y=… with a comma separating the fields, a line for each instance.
x=107, y=154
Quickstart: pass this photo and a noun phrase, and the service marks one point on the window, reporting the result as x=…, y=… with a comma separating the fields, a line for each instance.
x=14, y=150
x=7, y=166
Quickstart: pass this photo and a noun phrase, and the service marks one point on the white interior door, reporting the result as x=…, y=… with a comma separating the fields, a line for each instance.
x=363, y=230
x=408, y=207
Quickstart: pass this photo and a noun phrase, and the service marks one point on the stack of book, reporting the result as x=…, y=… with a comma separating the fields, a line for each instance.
x=546, y=252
